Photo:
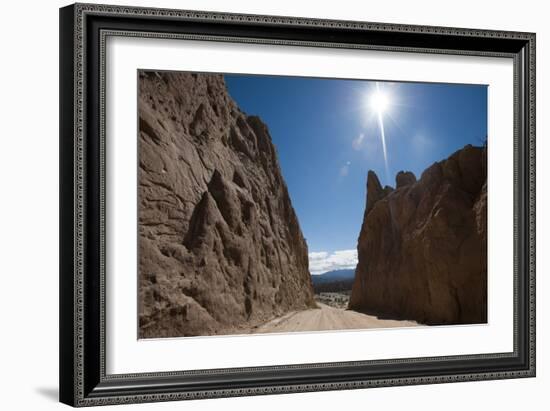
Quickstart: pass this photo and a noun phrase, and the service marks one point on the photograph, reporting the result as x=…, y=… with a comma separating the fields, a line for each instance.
x=281, y=204
x=262, y=202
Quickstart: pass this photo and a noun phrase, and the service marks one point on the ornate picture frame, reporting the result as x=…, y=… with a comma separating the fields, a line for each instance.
x=84, y=30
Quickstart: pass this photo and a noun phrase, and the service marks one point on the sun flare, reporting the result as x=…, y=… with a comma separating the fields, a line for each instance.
x=379, y=101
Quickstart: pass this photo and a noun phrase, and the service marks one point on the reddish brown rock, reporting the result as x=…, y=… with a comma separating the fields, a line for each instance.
x=220, y=247
x=404, y=178
x=422, y=248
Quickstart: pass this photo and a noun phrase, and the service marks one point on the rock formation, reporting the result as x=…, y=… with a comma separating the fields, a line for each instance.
x=220, y=246
x=404, y=178
x=422, y=248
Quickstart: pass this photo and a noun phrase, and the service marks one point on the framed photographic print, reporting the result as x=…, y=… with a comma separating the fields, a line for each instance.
x=260, y=204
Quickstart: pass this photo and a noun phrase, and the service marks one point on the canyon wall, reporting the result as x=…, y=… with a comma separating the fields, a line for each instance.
x=220, y=246
x=422, y=247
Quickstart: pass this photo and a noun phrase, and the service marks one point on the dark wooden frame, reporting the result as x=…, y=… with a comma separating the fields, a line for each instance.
x=83, y=29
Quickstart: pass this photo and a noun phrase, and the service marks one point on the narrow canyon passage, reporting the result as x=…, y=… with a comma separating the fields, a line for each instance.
x=327, y=318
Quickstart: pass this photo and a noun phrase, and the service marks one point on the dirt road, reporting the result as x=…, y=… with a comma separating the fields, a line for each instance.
x=327, y=318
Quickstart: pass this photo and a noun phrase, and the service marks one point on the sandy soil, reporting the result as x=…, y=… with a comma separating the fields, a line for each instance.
x=327, y=318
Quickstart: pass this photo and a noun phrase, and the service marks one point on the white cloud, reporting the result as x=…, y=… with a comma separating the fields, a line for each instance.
x=358, y=142
x=317, y=255
x=323, y=261
x=344, y=170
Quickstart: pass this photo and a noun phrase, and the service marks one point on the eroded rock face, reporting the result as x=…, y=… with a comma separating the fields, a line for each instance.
x=220, y=247
x=422, y=248
x=404, y=178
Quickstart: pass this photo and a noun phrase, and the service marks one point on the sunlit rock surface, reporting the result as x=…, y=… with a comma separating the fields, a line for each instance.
x=220, y=246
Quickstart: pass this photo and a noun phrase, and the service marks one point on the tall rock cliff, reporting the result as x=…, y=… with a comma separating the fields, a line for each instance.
x=220, y=246
x=422, y=248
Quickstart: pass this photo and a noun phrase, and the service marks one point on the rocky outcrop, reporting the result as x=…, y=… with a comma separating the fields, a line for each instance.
x=422, y=248
x=220, y=247
x=404, y=178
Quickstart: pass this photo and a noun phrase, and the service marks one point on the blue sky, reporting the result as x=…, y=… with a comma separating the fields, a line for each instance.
x=328, y=136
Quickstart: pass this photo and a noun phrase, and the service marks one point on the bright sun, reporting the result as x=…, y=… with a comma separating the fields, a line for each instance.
x=379, y=101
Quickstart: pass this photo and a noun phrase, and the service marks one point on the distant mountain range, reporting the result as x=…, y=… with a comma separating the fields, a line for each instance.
x=333, y=281
x=331, y=276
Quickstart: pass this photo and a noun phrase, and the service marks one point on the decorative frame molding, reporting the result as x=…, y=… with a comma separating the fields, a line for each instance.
x=83, y=32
